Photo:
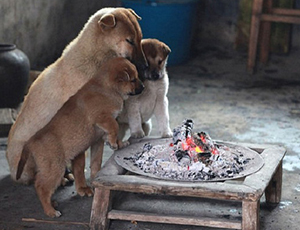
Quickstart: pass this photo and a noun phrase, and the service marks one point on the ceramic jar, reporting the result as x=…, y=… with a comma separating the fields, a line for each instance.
x=14, y=73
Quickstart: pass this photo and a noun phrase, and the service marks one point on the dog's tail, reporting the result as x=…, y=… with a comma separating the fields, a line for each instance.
x=23, y=160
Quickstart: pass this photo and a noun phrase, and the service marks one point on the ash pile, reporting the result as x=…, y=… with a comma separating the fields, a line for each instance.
x=191, y=156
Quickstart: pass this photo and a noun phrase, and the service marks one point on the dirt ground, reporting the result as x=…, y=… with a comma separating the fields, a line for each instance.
x=215, y=90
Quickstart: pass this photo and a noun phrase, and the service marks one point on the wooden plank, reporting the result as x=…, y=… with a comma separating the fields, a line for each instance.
x=273, y=191
x=265, y=34
x=273, y=157
x=174, y=219
x=111, y=168
x=214, y=190
x=100, y=208
x=247, y=30
x=254, y=31
x=280, y=18
x=250, y=220
x=283, y=11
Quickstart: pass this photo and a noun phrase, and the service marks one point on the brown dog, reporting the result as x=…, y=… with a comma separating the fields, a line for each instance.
x=85, y=118
x=110, y=32
x=137, y=112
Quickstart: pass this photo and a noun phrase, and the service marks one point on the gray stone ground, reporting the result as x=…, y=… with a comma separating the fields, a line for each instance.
x=216, y=91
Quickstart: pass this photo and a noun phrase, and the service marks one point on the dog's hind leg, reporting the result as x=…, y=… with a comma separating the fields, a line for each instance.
x=78, y=165
x=45, y=186
x=147, y=127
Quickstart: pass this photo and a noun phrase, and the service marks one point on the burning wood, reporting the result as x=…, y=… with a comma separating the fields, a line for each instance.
x=189, y=157
x=189, y=146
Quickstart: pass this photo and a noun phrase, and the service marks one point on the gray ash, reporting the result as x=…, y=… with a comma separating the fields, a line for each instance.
x=190, y=157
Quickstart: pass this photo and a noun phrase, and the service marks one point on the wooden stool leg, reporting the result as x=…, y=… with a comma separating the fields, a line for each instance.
x=254, y=30
x=100, y=208
x=250, y=216
x=273, y=191
x=265, y=34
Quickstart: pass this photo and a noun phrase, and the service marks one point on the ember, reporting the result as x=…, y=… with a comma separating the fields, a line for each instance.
x=189, y=146
x=190, y=156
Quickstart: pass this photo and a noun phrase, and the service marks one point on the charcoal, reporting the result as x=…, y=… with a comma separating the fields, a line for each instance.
x=147, y=147
x=191, y=156
x=180, y=154
x=184, y=131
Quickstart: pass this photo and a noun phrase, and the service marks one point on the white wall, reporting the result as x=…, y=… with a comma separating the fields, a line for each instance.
x=42, y=28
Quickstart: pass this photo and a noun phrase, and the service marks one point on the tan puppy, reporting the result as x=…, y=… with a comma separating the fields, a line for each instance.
x=110, y=32
x=85, y=118
x=138, y=110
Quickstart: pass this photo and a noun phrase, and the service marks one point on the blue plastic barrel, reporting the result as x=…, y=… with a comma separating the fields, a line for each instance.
x=170, y=21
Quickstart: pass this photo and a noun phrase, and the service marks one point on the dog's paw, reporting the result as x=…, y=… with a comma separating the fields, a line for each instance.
x=167, y=133
x=64, y=182
x=53, y=213
x=68, y=178
x=112, y=146
x=137, y=135
x=85, y=191
x=123, y=144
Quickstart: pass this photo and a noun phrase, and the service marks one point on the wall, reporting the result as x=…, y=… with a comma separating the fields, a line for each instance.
x=217, y=20
x=42, y=28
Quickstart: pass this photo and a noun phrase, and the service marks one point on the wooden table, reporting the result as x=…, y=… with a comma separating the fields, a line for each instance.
x=249, y=190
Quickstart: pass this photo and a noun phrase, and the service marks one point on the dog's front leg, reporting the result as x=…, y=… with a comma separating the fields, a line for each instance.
x=111, y=127
x=161, y=112
x=135, y=124
x=78, y=165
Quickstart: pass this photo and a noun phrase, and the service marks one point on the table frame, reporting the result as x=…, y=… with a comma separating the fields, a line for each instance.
x=249, y=190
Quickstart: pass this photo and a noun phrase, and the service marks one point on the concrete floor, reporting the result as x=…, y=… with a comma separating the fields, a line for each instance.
x=224, y=100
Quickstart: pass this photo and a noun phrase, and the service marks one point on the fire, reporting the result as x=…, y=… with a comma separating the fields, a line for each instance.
x=190, y=145
x=198, y=149
x=186, y=143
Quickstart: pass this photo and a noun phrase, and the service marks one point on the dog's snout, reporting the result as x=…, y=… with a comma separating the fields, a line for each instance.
x=155, y=75
x=139, y=89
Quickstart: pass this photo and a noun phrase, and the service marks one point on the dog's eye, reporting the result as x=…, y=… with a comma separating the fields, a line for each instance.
x=130, y=41
x=133, y=80
x=159, y=62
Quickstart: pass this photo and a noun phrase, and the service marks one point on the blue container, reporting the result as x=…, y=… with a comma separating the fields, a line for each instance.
x=170, y=21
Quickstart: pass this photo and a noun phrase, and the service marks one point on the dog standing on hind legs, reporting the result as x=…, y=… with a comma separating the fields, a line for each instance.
x=109, y=33
x=87, y=117
x=138, y=110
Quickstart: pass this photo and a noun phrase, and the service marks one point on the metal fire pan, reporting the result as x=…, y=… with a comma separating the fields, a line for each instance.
x=255, y=164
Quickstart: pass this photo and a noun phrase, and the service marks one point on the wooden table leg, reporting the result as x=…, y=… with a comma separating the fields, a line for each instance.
x=265, y=32
x=250, y=216
x=254, y=30
x=100, y=208
x=273, y=191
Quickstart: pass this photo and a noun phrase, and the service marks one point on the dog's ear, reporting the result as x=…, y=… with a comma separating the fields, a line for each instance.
x=107, y=20
x=123, y=76
x=135, y=14
x=166, y=50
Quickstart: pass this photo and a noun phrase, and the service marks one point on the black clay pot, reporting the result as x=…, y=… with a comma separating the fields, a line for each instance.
x=14, y=73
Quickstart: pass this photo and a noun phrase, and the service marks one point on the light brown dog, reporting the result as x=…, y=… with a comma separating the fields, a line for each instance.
x=84, y=119
x=110, y=32
x=137, y=112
